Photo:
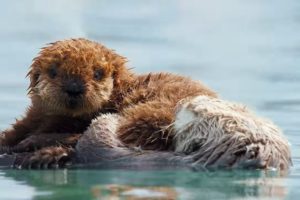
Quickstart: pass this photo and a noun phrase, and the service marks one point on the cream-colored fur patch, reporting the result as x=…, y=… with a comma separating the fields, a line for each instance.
x=102, y=131
x=222, y=133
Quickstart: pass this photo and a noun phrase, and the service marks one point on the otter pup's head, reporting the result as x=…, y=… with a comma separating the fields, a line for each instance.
x=74, y=77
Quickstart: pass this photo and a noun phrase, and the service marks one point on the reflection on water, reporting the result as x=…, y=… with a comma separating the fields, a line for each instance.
x=85, y=184
x=248, y=51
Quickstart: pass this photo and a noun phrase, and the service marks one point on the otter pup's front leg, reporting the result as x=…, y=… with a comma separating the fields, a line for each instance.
x=46, y=158
x=21, y=129
x=148, y=126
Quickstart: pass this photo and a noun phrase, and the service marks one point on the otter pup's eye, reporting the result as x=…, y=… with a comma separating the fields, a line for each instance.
x=52, y=72
x=36, y=77
x=98, y=75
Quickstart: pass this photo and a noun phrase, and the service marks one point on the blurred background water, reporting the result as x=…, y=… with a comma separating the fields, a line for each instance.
x=248, y=51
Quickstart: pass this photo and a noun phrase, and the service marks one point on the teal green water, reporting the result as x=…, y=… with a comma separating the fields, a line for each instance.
x=248, y=51
x=93, y=184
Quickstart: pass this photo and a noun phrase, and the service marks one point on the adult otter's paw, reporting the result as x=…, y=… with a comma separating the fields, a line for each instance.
x=46, y=158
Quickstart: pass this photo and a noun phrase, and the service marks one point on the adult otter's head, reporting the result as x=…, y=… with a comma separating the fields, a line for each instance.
x=74, y=77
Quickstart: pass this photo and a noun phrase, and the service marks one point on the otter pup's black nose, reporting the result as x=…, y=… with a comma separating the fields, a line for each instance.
x=74, y=87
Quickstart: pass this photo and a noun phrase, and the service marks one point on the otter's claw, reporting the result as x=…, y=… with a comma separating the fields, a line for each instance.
x=47, y=158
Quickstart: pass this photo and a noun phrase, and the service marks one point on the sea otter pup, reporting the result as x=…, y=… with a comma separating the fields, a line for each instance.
x=73, y=81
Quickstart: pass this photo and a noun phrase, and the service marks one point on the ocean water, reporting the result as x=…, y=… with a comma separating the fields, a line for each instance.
x=247, y=51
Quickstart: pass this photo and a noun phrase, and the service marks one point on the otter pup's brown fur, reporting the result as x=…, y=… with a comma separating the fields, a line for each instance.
x=73, y=81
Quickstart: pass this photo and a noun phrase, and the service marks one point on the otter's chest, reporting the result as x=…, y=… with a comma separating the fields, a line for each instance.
x=58, y=124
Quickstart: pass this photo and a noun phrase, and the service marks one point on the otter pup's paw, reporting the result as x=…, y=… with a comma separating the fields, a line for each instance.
x=46, y=158
x=35, y=142
x=31, y=143
x=1, y=139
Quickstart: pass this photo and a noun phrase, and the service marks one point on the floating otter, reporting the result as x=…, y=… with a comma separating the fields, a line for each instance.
x=208, y=133
x=74, y=81
x=88, y=107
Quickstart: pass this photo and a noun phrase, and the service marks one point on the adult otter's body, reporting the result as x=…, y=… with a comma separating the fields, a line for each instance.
x=73, y=81
x=209, y=133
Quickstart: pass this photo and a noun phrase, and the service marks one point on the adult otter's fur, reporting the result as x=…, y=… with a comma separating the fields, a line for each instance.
x=100, y=147
x=73, y=81
x=218, y=133
x=209, y=133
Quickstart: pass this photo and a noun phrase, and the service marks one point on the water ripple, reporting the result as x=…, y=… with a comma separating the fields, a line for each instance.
x=291, y=78
x=282, y=105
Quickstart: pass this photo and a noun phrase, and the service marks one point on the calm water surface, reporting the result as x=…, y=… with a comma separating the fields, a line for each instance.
x=248, y=51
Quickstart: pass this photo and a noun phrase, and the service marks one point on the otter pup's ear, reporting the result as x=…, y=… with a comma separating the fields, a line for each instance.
x=120, y=71
x=34, y=75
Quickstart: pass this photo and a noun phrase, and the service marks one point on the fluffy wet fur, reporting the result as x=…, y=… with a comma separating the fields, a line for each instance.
x=100, y=147
x=73, y=81
x=209, y=133
x=217, y=133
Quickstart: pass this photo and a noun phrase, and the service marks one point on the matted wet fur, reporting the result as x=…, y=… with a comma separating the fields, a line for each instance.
x=100, y=147
x=218, y=133
x=73, y=81
x=209, y=133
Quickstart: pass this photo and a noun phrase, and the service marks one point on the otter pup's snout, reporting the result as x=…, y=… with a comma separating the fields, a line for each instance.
x=74, y=87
